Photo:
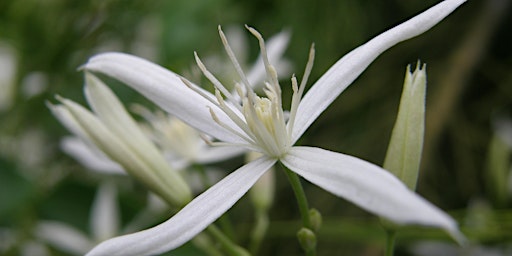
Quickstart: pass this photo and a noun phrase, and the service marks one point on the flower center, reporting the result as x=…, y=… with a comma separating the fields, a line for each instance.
x=265, y=120
x=261, y=120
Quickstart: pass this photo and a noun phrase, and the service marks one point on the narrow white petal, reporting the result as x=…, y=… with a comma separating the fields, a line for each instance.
x=67, y=119
x=90, y=157
x=217, y=154
x=348, y=68
x=165, y=89
x=192, y=219
x=63, y=237
x=105, y=213
x=368, y=186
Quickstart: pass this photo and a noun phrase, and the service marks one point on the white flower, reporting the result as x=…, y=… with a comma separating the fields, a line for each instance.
x=259, y=124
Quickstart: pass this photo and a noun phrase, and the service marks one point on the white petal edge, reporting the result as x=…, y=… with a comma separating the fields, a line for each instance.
x=165, y=89
x=63, y=237
x=368, y=186
x=192, y=219
x=348, y=68
x=210, y=154
x=91, y=158
x=67, y=120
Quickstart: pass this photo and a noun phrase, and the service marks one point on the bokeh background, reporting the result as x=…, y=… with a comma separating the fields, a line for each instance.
x=469, y=65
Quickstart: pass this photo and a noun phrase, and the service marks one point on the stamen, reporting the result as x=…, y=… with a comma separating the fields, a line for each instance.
x=235, y=62
x=261, y=133
x=271, y=72
x=239, y=90
x=294, y=104
x=216, y=82
x=143, y=112
x=298, y=91
x=307, y=71
x=232, y=115
x=198, y=91
x=221, y=104
x=206, y=139
x=217, y=120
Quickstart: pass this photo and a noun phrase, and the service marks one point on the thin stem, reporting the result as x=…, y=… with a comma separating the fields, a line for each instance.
x=229, y=246
x=203, y=242
x=390, y=242
x=302, y=201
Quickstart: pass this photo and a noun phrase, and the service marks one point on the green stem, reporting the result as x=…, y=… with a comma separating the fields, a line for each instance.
x=302, y=201
x=204, y=243
x=390, y=242
x=229, y=246
x=258, y=232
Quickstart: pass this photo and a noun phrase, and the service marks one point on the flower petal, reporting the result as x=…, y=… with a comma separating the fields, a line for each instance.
x=105, y=217
x=192, y=219
x=210, y=154
x=348, y=68
x=368, y=186
x=64, y=237
x=165, y=89
x=90, y=157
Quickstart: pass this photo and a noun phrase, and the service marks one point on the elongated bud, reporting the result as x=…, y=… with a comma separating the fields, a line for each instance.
x=403, y=156
x=114, y=132
x=498, y=168
x=262, y=193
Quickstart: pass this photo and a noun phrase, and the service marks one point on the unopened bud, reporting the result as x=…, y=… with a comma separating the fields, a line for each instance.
x=316, y=219
x=307, y=239
x=403, y=156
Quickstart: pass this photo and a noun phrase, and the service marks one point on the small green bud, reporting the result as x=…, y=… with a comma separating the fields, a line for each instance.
x=403, y=156
x=316, y=219
x=307, y=239
x=498, y=165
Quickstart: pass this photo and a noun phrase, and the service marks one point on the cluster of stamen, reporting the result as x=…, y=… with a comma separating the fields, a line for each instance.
x=261, y=120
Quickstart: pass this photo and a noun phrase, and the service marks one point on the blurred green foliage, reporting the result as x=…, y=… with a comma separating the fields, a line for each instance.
x=469, y=68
